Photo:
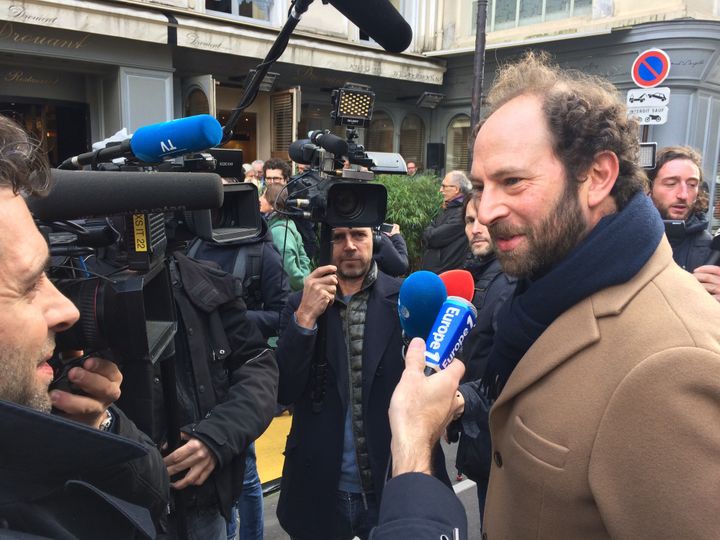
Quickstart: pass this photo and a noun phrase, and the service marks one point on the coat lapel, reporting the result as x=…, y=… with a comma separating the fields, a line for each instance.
x=381, y=321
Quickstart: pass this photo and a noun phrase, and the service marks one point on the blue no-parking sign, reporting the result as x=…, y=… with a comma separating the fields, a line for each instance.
x=650, y=68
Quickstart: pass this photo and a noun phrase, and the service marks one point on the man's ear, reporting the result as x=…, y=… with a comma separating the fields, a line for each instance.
x=601, y=178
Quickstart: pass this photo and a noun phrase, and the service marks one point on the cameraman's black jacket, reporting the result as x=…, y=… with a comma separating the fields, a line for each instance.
x=692, y=249
x=265, y=286
x=226, y=378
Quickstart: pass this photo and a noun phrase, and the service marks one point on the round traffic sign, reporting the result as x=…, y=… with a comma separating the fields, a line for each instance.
x=650, y=68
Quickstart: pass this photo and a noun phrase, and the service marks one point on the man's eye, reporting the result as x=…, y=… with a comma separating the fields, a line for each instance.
x=511, y=181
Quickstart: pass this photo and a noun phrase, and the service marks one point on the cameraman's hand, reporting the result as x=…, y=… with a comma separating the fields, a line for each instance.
x=709, y=277
x=318, y=293
x=100, y=379
x=395, y=230
x=196, y=457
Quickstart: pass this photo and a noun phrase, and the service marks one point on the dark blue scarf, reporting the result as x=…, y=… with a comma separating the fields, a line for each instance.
x=614, y=251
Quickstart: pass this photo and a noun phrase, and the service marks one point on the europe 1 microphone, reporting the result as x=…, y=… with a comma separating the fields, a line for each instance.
x=456, y=318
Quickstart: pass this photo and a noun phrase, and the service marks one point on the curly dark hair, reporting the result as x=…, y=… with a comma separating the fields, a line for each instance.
x=23, y=164
x=275, y=163
x=584, y=114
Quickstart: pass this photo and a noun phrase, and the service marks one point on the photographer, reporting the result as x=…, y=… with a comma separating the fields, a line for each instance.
x=70, y=477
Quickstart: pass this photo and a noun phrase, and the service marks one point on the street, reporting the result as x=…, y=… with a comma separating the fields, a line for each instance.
x=465, y=490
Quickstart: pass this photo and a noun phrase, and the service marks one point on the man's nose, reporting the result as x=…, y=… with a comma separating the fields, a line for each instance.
x=492, y=206
x=682, y=191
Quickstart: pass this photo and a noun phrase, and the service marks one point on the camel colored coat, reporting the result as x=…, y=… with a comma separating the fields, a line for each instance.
x=609, y=427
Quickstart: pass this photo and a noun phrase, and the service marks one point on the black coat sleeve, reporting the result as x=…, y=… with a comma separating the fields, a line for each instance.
x=142, y=481
x=295, y=352
x=275, y=288
x=250, y=405
x=445, y=229
x=419, y=506
x=391, y=256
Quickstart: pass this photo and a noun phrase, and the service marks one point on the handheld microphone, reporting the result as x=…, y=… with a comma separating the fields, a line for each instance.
x=459, y=283
x=456, y=318
x=76, y=194
x=331, y=143
x=379, y=20
x=421, y=296
x=714, y=257
x=154, y=143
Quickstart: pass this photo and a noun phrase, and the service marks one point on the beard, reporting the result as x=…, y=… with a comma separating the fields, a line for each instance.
x=19, y=382
x=354, y=271
x=547, y=242
x=482, y=251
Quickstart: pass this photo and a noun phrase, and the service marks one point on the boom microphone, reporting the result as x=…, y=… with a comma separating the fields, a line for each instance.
x=154, y=143
x=76, y=194
x=331, y=143
x=421, y=296
x=379, y=20
x=459, y=283
x=456, y=318
x=302, y=151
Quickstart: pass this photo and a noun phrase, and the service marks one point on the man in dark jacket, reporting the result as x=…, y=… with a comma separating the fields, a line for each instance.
x=675, y=186
x=492, y=288
x=391, y=254
x=444, y=238
x=338, y=450
x=91, y=474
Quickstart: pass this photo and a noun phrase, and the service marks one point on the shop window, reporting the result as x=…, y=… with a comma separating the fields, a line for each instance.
x=412, y=139
x=503, y=14
x=458, y=136
x=252, y=9
x=380, y=132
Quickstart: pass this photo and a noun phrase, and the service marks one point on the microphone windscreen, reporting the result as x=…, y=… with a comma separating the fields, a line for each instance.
x=421, y=296
x=378, y=19
x=301, y=151
x=77, y=194
x=331, y=143
x=153, y=144
x=459, y=283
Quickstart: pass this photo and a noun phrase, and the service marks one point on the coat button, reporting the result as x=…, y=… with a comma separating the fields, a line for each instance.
x=497, y=457
x=201, y=388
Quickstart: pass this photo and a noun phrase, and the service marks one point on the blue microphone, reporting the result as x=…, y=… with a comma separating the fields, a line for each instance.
x=421, y=296
x=454, y=321
x=157, y=142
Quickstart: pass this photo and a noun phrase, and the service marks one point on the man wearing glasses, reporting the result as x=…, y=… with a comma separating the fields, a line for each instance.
x=445, y=243
x=276, y=171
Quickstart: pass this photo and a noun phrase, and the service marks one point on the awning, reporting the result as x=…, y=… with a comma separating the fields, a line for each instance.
x=81, y=16
x=243, y=40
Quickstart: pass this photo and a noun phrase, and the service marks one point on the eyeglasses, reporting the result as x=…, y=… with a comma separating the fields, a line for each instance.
x=273, y=179
x=447, y=186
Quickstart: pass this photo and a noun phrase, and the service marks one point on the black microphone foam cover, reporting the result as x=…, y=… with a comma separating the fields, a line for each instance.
x=78, y=194
x=301, y=151
x=332, y=143
x=378, y=19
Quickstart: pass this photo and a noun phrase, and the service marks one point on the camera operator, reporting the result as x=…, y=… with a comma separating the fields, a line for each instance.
x=216, y=393
x=61, y=477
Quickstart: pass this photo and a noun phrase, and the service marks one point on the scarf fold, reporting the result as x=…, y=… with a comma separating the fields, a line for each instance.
x=614, y=251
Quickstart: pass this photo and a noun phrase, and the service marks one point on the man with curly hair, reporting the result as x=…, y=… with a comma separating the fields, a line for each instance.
x=676, y=191
x=604, y=376
x=84, y=471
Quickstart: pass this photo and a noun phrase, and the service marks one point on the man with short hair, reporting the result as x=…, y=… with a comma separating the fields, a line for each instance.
x=276, y=171
x=338, y=449
x=492, y=288
x=59, y=478
x=444, y=239
x=606, y=361
x=411, y=168
x=675, y=189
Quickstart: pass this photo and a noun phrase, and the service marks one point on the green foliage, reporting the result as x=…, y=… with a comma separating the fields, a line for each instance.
x=412, y=204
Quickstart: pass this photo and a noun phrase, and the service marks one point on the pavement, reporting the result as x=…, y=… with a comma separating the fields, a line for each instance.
x=270, y=446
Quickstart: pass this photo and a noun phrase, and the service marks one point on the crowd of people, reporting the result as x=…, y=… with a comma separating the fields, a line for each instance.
x=583, y=401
